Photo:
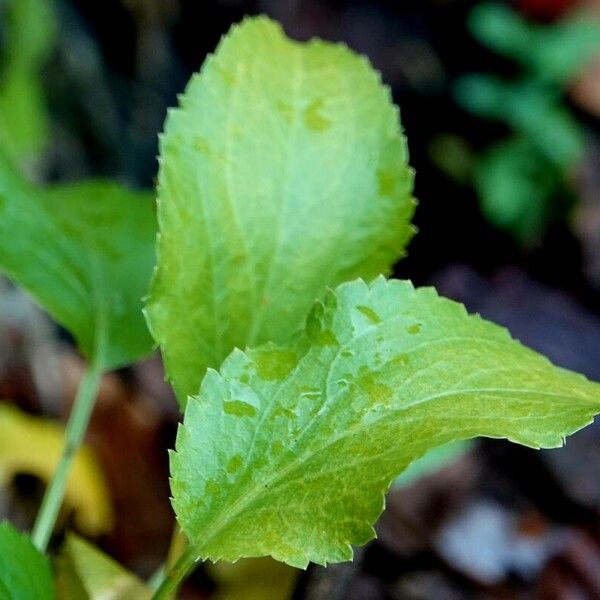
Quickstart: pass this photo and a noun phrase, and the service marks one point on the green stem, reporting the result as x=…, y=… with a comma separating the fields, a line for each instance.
x=76, y=428
x=177, y=548
x=176, y=575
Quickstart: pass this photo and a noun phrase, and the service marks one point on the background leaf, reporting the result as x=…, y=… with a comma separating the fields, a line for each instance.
x=283, y=171
x=432, y=461
x=86, y=573
x=288, y=451
x=531, y=110
x=85, y=252
x=30, y=35
x=253, y=579
x=515, y=184
x=24, y=572
x=32, y=446
x=553, y=53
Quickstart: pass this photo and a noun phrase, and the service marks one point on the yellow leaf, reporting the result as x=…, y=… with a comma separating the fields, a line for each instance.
x=254, y=579
x=33, y=446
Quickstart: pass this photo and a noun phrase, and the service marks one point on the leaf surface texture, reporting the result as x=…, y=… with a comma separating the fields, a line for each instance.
x=283, y=171
x=289, y=450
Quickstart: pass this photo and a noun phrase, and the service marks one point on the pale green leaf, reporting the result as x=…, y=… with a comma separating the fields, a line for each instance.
x=502, y=29
x=85, y=252
x=432, y=461
x=562, y=52
x=289, y=451
x=85, y=573
x=24, y=573
x=283, y=171
x=253, y=579
x=531, y=110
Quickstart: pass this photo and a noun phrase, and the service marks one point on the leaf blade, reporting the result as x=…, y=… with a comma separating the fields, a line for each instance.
x=86, y=573
x=410, y=373
x=30, y=37
x=283, y=171
x=24, y=573
x=85, y=252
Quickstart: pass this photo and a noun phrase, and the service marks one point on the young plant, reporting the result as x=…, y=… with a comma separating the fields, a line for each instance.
x=85, y=253
x=283, y=181
x=283, y=172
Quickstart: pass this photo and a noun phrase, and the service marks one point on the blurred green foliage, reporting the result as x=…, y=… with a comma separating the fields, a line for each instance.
x=28, y=38
x=85, y=573
x=550, y=53
x=25, y=574
x=433, y=461
x=253, y=579
x=95, y=262
x=518, y=177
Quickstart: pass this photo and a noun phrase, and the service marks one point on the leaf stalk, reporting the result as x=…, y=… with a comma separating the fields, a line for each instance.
x=176, y=575
x=76, y=427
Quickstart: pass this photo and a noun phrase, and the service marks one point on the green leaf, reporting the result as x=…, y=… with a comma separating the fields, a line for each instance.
x=432, y=461
x=23, y=119
x=553, y=53
x=564, y=50
x=30, y=34
x=85, y=252
x=529, y=109
x=515, y=184
x=85, y=573
x=501, y=29
x=283, y=171
x=24, y=573
x=289, y=451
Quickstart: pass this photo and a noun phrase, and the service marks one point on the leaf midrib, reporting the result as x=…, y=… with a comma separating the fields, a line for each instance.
x=250, y=496
x=258, y=314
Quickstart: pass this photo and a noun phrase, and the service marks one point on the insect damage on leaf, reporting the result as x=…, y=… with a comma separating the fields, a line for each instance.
x=283, y=171
x=298, y=471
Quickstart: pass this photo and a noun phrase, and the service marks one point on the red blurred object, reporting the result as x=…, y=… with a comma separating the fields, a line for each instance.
x=546, y=10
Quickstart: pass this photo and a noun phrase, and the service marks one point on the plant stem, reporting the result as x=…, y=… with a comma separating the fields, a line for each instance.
x=176, y=575
x=177, y=548
x=76, y=428
x=179, y=545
